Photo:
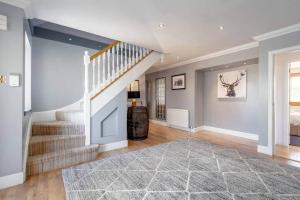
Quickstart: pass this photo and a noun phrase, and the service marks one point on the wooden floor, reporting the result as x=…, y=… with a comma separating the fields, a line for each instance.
x=288, y=152
x=50, y=185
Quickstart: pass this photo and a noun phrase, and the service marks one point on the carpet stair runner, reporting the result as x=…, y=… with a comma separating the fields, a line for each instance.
x=58, y=144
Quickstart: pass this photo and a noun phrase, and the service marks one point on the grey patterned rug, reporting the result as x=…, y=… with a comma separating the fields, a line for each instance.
x=185, y=169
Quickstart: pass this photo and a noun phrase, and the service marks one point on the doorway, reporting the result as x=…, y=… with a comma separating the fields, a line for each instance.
x=287, y=105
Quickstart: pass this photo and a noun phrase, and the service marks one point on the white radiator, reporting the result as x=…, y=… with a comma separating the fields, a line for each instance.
x=178, y=118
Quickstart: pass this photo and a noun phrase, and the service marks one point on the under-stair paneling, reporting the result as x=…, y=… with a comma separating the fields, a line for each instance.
x=109, y=124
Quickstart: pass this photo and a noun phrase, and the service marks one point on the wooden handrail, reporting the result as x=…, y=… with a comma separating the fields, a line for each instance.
x=114, y=43
x=93, y=97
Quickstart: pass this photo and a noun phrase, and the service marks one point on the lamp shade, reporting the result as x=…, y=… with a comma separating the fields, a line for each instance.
x=134, y=95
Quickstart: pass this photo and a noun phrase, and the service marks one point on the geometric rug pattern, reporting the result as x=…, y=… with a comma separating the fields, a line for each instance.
x=184, y=169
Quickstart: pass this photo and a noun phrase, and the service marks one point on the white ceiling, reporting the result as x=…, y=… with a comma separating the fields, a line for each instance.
x=192, y=26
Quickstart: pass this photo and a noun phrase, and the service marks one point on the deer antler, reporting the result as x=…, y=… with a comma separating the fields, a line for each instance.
x=238, y=79
x=222, y=81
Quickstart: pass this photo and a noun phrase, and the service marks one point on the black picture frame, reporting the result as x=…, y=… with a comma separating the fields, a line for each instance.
x=173, y=84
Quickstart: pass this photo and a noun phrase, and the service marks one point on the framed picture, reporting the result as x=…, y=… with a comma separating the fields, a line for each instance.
x=134, y=86
x=232, y=84
x=178, y=82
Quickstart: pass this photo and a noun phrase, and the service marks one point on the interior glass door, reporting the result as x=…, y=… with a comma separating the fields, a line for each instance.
x=160, y=94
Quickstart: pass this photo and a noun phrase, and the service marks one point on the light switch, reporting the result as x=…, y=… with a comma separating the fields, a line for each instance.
x=14, y=80
x=3, y=22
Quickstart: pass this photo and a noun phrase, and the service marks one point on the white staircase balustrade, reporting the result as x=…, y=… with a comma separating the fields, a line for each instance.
x=105, y=67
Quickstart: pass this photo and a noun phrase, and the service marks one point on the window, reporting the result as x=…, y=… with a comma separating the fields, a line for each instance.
x=160, y=94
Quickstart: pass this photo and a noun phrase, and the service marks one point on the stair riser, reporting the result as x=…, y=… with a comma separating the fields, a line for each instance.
x=56, y=145
x=60, y=162
x=57, y=130
x=75, y=117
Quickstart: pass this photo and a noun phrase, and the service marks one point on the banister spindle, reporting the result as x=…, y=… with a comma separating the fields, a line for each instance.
x=136, y=54
x=113, y=62
x=94, y=74
x=108, y=65
x=103, y=68
x=126, y=58
x=129, y=60
x=141, y=55
x=121, y=57
x=144, y=52
x=99, y=72
x=86, y=72
x=118, y=64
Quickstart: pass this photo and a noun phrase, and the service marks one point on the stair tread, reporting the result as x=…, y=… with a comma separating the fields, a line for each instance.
x=47, y=138
x=56, y=123
x=65, y=152
x=71, y=111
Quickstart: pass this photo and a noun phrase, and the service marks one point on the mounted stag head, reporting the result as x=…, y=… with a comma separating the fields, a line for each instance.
x=230, y=86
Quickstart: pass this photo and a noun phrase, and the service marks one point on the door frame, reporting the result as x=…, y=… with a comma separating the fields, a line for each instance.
x=271, y=107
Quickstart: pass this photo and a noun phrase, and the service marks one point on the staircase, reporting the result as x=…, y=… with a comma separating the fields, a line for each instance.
x=61, y=138
x=58, y=144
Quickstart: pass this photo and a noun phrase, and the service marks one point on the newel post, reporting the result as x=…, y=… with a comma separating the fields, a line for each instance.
x=87, y=100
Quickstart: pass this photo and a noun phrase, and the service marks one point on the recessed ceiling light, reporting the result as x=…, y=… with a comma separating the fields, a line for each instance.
x=70, y=39
x=245, y=63
x=162, y=25
x=221, y=28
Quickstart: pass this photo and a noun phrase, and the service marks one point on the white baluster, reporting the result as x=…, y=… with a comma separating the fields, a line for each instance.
x=113, y=62
x=130, y=60
x=94, y=74
x=126, y=58
x=86, y=102
x=99, y=72
x=118, y=64
x=136, y=54
x=108, y=66
x=141, y=54
x=144, y=52
x=103, y=68
x=121, y=57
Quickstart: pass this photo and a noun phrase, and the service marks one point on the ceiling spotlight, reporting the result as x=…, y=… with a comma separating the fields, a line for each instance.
x=245, y=63
x=221, y=28
x=70, y=39
x=162, y=25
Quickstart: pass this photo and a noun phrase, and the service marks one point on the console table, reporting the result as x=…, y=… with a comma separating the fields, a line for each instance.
x=137, y=123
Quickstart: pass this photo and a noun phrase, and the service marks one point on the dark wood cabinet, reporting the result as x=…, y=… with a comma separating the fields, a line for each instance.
x=137, y=123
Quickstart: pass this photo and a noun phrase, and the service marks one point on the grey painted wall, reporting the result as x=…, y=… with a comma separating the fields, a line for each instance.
x=181, y=99
x=190, y=98
x=285, y=41
x=110, y=123
x=199, y=100
x=56, y=68
x=238, y=115
x=11, y=104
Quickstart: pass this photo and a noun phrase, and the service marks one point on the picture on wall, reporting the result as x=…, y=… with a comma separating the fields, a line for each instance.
x=178, y=82
x=232, y=84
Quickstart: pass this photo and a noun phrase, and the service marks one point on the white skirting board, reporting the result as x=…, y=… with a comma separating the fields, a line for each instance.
x=158, y=122
x=264, y=150
x=250, y=136
x=113, y=146
x=11, y=180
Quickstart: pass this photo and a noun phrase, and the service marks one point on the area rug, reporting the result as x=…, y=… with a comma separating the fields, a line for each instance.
x=184, y=169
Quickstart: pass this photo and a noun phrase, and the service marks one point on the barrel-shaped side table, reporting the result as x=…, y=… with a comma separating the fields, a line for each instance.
x=137, y=123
